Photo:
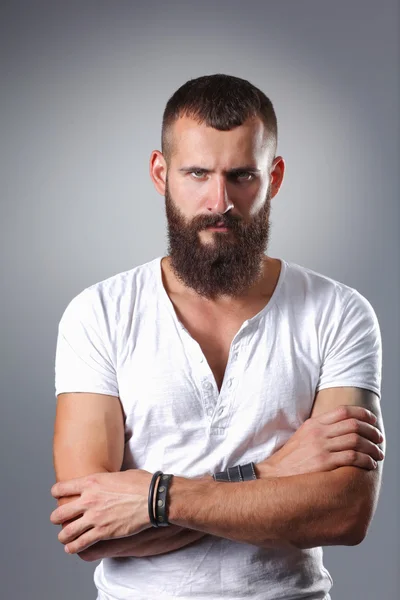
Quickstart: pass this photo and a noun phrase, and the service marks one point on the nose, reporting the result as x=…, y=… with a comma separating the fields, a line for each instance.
x=217, y=197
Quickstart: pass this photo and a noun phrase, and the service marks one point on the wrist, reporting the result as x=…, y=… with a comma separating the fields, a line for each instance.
x=265, y=470
x=184, y=493
x=204, y=478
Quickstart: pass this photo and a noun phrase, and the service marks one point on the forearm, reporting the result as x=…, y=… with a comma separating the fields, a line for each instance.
x=315, y=509
x=150, y=542
x=154, y=541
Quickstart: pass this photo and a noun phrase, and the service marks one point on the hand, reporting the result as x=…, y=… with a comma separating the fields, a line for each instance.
x=341, y=437
x=109, y=506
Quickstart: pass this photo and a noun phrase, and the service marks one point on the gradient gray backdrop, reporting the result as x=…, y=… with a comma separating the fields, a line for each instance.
x=83, y=87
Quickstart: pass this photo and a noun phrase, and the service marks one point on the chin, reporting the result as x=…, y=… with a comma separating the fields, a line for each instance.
x=206, y=235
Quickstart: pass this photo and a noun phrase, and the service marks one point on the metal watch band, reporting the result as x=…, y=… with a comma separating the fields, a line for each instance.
x=248, y=472
x=237, y=474
x=221, y=476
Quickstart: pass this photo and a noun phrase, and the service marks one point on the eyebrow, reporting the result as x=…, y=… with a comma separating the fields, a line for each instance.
x=234, y=171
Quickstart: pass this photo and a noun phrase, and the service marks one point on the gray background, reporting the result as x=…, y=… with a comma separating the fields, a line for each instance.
x=83, y=86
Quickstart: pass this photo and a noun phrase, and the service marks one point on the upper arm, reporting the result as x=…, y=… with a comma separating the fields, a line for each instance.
x=89, y=423
x=364, y=485
x=330, y=398
x=88, y=434
x=351, y=374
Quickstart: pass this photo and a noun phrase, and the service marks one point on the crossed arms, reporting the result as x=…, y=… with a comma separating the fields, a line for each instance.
x=306, y=495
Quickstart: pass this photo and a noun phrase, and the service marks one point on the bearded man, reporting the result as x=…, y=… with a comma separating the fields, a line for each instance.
x=225, y=397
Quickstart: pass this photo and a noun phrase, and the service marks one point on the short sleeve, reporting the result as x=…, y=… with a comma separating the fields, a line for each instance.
x=83, y=361
x=354, y=357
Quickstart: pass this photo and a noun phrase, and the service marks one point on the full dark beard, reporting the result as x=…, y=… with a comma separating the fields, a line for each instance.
x=231, y=263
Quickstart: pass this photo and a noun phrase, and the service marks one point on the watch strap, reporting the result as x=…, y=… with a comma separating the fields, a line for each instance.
x=237, y=474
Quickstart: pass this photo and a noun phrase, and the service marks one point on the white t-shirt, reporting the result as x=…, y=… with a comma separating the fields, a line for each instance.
x=121, y=336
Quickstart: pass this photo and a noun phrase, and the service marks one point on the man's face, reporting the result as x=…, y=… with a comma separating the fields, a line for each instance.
x=218, y=178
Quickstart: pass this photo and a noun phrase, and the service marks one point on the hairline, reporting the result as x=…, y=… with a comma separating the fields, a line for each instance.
x=166, y=142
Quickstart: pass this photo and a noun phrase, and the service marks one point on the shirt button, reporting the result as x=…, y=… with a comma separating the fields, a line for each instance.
x=230, y=383
x=207, y=385
x=210, y=411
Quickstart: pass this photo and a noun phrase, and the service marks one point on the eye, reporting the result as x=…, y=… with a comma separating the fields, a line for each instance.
x=244, y=176
x=199, y=172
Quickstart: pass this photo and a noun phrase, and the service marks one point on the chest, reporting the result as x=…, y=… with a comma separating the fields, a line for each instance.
x=214, y=331
x=215, y=343
x=177, y=419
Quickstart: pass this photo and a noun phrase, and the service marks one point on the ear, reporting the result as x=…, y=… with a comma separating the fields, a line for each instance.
x=276, y=175
x=158, y=171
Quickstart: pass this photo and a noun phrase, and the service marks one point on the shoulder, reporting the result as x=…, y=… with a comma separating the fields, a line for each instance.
x=122, y=283
x=331, y=308
x=114, y=295
x=308, y=281
x=318, y=289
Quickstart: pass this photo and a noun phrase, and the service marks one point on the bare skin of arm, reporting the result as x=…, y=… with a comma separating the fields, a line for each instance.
x=304, y=510
x=305, y=452
x=89, y=438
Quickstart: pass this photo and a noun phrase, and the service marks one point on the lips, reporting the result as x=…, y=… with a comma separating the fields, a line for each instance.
x=220, y=224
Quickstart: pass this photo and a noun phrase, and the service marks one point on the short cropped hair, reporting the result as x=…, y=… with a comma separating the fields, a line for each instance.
x=221, y=101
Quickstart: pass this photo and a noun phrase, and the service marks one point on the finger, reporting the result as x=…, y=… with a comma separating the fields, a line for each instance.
x=352, y=441
x=83, y=542
x=352, y=458
x=355, y=426
x=346, y=412
x=65, y=512
x=68, y=488
x=74, y=531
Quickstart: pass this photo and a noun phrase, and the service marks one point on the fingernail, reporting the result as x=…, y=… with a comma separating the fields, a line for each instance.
x=67, y=549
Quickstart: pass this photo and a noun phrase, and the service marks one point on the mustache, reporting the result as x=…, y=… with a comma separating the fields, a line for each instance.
x=227, y=220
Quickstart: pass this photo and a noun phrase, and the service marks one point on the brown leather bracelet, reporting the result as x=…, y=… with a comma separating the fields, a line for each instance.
x=150, y=500
x=161, y=504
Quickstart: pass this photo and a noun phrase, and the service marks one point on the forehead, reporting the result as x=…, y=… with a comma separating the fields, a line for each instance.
x=197, y=142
